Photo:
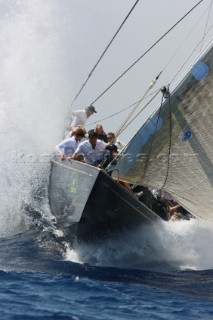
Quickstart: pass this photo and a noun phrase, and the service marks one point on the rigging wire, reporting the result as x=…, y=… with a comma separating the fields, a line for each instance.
x=128, y=123
x=207, y=20
x=125, y=123
x=105, y=50
x=122, y=110
x=123, y=150
x=166, y=65
x=181, y=44
x=170, y=116
x=183, y=65
x=170, y=131
x=124, y=128
x=163, y=69
x=151, y=47
x=112, y=115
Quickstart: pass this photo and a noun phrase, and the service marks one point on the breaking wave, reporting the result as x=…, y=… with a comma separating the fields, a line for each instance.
x=180, y=245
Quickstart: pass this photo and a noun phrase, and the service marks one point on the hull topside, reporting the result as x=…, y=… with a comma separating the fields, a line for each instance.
x=88, y=203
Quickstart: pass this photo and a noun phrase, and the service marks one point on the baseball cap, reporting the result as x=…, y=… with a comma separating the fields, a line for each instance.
x=91, y=108
x=112, y=147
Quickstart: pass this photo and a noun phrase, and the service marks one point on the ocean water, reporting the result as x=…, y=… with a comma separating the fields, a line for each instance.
x=163, y=271
x=160, y=273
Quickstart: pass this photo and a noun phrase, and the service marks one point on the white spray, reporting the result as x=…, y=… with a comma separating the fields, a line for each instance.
x=164, y=246
x=34, y=94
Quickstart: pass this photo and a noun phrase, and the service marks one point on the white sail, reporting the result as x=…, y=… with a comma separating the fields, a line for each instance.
x=174, y=149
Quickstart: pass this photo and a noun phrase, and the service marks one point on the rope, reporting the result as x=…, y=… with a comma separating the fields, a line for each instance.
x=124, y=125
x=140, y=111
x=112, y=115
x=151, y=47
x=105, y=50
x=122, y=110
x=120, y=154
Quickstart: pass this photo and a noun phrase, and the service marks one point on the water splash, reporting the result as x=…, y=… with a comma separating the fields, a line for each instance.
x=164, y=246
x=33, y=90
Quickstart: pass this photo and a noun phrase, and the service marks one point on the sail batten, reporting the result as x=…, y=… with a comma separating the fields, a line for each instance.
x=174, y=149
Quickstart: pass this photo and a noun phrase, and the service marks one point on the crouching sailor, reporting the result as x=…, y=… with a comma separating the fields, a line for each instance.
x=68, y=146
x=92, y=149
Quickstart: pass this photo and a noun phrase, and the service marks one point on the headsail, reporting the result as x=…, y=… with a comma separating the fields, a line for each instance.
x=174, y=149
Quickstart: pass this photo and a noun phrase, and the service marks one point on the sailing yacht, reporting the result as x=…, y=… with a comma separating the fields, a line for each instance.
x=171, y=152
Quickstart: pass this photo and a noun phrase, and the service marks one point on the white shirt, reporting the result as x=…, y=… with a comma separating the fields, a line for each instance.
x=119, y=144
x=91, y=156
x=79, y=118
x=67, y=146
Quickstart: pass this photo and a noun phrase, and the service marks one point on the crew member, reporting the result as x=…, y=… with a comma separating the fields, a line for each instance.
x=92, y=149
x=68, y=146
x=80, y=116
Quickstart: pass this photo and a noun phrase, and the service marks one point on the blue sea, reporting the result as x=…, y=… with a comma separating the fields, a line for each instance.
x=119, y=278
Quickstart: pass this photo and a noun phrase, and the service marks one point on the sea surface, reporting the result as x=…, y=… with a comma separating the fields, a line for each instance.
x=42, y=277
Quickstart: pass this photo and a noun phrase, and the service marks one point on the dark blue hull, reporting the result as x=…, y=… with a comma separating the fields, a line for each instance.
x=89, y=204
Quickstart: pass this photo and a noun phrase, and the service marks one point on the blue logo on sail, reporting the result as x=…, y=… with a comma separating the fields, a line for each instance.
x=151, y=127
x=200, y=70
x=187, y=135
